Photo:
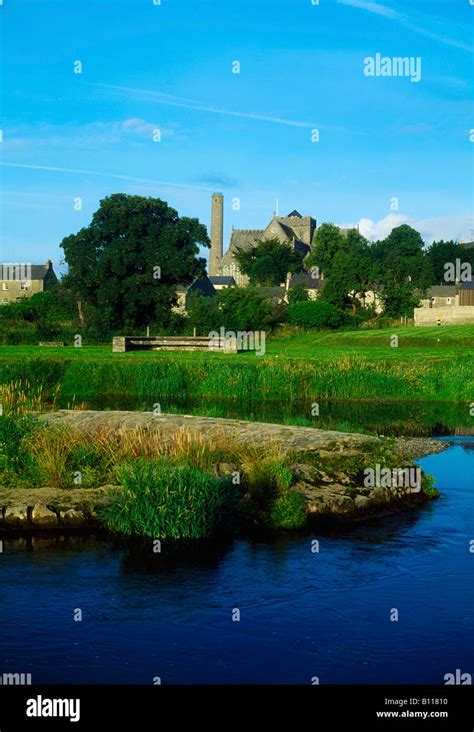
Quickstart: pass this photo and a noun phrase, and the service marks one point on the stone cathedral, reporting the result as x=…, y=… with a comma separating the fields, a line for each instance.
x=295, y=229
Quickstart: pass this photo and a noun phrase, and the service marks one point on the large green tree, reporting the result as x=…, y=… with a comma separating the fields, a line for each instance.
x=327, y=241
x=441, y=253
x=268, y=262
x=124, y=267
x=350, y=271
x=401, y=269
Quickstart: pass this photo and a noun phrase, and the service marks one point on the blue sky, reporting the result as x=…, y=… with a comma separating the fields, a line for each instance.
x=248, y=135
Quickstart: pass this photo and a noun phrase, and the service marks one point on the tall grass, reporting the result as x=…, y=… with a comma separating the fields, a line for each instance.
x=170, y=486
x=257, y=380
x=21, y=396
x=169, y=500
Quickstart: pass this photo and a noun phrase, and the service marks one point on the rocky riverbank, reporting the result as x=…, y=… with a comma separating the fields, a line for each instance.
x=327, y=469
x=292, y=438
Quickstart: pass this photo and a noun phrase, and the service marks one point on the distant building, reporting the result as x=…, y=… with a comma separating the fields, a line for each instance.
x=312, y=285
x=19, y=281
x=202, y=285
x=441, y=296
x=294, y=229
x=447, y=304
x=221, y=282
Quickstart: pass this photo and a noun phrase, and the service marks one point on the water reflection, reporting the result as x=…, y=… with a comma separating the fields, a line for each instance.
x=389, y=418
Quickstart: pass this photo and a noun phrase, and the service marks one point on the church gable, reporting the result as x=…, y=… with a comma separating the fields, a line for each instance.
x=277, y=230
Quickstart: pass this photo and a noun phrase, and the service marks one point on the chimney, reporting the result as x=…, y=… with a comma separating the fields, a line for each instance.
x=48, y=264
x=217, y=233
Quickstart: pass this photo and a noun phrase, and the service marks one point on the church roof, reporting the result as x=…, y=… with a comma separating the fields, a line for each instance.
x=277, y=225
x=294, y=214
x=245, y=238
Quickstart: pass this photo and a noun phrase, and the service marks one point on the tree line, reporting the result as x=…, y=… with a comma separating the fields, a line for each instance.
x=125, y=266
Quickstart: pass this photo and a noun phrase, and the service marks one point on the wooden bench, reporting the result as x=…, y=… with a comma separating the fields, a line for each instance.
x=122, y=344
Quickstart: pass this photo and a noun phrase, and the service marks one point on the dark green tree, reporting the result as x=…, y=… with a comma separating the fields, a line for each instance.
x=441, y=253
x=268, y=262
x=349, y=274
x=401, y=270
x=245, y=308
x=327, y=241
x=124, y=267
x=298, y=293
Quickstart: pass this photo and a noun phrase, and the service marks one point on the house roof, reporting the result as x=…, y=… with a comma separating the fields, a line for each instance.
x=442, y=291
x=272, y=292
x=221, y=280
x=201, y=284
x=466, y=285
x=17, y=271
x=306, y=279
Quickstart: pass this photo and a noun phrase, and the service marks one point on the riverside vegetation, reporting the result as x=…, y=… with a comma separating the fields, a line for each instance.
x=186, y=486
x=427, y=364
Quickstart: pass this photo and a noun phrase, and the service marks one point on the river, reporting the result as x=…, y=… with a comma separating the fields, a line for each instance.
x=304, y=614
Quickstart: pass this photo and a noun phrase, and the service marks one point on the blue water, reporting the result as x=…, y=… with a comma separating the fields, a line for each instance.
x=302, y=614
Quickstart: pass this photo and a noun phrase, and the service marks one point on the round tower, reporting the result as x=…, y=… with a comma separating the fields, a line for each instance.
x=217, y=233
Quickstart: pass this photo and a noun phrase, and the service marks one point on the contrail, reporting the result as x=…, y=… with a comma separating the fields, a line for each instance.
x=161, y=98
x=102, y=174
x=403, y=20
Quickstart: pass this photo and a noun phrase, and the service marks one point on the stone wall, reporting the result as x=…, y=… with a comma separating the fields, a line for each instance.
x=449, y=315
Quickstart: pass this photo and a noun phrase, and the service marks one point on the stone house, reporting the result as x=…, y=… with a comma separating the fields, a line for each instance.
x=184, y=292
x=312, y=285
x=19, y=281
x=447, y=304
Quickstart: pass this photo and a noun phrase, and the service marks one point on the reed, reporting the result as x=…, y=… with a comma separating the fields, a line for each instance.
x=167, y=500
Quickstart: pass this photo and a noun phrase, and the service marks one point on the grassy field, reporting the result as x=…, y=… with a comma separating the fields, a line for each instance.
x=428, y=364
x=413, y=343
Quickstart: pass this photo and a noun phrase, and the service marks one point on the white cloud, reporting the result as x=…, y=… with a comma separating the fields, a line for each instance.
x=88, y=136
x=442, y=227
x=373, y=230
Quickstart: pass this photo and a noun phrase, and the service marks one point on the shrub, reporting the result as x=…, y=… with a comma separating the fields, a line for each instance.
x=15, y=460
x=287, y=511
x=298, y=293
x=428, y=486
x=264, y=471
x=316, y=314
x=168, y=501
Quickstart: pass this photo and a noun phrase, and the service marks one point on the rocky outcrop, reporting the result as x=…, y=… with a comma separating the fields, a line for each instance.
x=307, y=439
x=326, y=467
x=51, y=508
x=338, y=498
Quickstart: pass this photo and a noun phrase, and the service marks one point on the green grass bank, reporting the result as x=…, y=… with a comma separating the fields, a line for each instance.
x=427, y=364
